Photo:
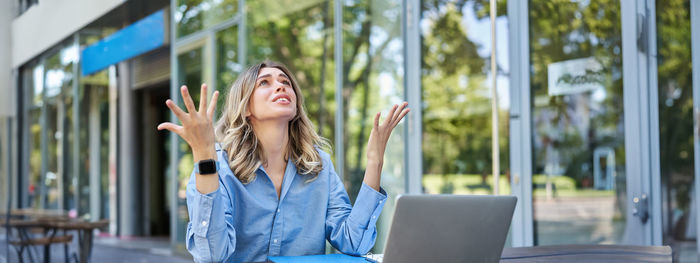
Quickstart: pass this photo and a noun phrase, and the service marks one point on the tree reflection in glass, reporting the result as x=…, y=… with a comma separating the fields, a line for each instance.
x=195, y=15
x=579, y=186
x=676, y=127
x=456, y=84
x=373, y=75
x=298, y=34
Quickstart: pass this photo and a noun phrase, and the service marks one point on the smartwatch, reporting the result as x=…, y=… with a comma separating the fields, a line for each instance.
x=208, y=166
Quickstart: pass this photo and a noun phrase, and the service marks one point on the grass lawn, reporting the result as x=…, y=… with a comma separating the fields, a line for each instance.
x=472, y=184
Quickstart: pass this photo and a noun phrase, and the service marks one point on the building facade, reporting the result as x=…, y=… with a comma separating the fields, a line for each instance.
x=596, y=103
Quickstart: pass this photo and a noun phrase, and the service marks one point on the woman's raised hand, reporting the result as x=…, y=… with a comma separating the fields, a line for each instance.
x=197, y=126
x=378, y=138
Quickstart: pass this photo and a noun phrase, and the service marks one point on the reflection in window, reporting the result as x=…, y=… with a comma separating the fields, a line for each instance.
x=58, y=83
x=456, y=86
x=227, y=65
x=33, y=188
x=372, y=81
x=195, y=15
x=301, y=37
x=94, y=110
x=579, y=186
x=68, y=188
x=50, y=184
x=190, y=73
x=32, y=79
x=37, y=90
x=94, y=129
x=676, y=127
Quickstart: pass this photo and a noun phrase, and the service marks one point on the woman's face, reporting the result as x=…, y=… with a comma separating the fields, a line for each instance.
x=273, y=96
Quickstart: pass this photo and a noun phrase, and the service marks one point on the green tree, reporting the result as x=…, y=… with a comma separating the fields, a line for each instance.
x=675, y=109
x=456, y=92
x=576, y=124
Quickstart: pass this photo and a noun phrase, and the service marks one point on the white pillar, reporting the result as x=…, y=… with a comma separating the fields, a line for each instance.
x=128, y=182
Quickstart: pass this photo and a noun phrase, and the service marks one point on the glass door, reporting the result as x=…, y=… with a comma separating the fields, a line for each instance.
x=579, y=178
x=675, y=104
x=584, y=139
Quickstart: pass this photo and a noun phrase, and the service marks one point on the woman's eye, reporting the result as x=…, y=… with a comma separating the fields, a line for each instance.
x=264, y=82
x=285, y=82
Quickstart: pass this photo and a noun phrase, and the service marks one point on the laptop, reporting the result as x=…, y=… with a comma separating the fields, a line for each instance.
x=448, y=228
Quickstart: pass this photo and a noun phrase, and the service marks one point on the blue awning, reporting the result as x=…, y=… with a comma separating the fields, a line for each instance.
x=145, y=35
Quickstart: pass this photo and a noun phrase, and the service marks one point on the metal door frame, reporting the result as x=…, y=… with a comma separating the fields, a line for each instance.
x=641, y=116
x=695, y=42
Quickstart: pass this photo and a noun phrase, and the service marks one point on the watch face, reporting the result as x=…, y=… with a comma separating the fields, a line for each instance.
x=207, y=167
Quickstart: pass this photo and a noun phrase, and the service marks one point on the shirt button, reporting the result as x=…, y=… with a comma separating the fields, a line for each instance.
x=275, y=241
x=278, y=210
x=204, y=223
x=373, y=217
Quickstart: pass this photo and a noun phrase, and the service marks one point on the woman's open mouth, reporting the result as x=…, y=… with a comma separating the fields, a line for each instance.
x=282, y=99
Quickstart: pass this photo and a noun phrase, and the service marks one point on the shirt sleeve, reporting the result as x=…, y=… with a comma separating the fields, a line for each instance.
x=352, y=230
x=210, y=235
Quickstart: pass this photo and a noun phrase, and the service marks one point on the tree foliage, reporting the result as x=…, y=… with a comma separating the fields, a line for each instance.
x=456, y=90
x=569, y=128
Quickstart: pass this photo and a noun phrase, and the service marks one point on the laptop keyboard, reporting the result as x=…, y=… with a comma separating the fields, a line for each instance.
x=376, y=258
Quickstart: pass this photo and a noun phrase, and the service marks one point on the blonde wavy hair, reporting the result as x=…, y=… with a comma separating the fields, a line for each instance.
x=235, y=132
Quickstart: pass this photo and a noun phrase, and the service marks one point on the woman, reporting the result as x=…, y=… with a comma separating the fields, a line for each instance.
x=266, y=188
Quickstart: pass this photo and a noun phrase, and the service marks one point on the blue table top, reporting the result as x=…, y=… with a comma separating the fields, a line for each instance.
x=320, y=258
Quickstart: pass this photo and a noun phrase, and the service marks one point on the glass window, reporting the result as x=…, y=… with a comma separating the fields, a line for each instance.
x=676, y=127
x=93, y=135
x=104, y=130
x=58, y=96
x=69, y=176
x=579, y=181
x=32, y=77
x=37, y=91
x=94, y=132
x=50, y=183
x=456, y=86
x=190, y=73
x=301, y=37
x=227, y=64
x=194, y=15
x=373, y=81
x=35, y=157
x=85, y=89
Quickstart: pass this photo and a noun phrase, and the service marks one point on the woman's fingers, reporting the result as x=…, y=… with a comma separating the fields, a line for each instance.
x=395, y=117
x=390, y=115
x=403, y=113
x=181, y=115
x=177, y=129
x=212, y=105
x=376, y=120
x=203, y=98
x=189, y=104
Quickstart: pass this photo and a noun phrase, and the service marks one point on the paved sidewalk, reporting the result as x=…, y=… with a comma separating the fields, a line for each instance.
x=108, y=250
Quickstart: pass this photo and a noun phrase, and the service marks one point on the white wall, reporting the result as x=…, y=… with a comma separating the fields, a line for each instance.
x=47, y=23
x=7, y=106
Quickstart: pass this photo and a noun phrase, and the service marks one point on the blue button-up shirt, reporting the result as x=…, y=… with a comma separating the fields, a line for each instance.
x=248, y=222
